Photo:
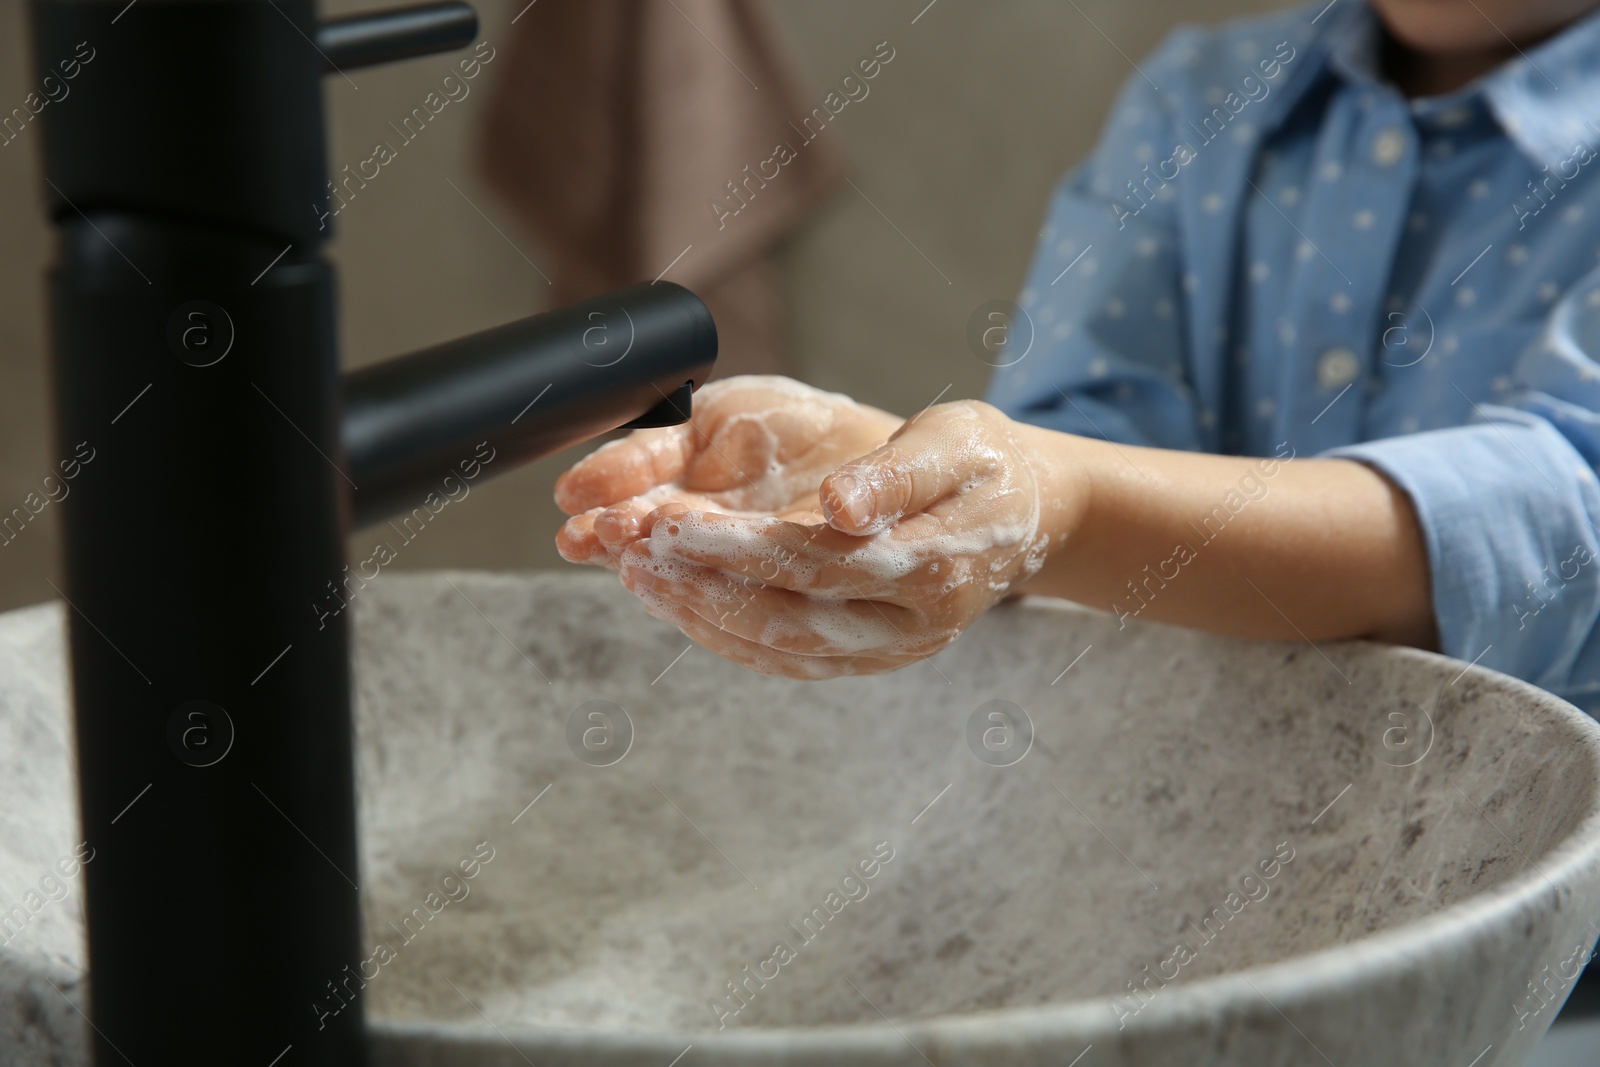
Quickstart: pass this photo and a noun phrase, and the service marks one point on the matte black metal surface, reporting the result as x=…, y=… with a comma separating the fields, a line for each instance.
x=396, y=33
x=192, y=110
x=192, y=324
x=527, y=389
x=220, y=899
x=673, y=410
x=192, y=327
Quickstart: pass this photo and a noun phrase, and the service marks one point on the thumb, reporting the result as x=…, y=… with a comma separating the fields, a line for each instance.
x=928, y=460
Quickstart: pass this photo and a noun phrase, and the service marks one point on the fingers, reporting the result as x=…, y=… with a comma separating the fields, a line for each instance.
x=599, y=535
x=748, y=653
x=607, y=531
x=625, y=468
x=778, y=618
x=576, y=540
x=760, y=444
x=928, y=460
x=815, y=560
x=618, y=527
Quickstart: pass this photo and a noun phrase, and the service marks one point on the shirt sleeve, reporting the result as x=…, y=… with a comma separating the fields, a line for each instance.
x=1100, y=327
x=1508, y=506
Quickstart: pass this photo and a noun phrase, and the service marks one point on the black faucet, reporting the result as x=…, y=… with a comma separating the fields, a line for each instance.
x=192, y=317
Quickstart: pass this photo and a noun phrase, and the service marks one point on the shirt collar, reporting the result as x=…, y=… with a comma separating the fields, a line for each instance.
x=1547, y=100
x=1349, y=42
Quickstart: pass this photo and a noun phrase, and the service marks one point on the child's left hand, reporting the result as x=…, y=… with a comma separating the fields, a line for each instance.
x=922, y=536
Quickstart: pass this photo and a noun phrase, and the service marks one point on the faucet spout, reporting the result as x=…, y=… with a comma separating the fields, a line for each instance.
x=528, y=388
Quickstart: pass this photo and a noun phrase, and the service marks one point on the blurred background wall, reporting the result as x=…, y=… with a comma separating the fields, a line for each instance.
x=985, y=105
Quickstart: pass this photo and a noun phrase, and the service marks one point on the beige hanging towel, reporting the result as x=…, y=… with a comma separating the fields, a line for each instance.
x=637, y=138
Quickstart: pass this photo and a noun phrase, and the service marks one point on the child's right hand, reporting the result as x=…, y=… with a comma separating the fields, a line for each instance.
x=755, y=446
x=800, y=533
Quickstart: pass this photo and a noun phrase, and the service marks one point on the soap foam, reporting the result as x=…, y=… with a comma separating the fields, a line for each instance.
x=985, y=536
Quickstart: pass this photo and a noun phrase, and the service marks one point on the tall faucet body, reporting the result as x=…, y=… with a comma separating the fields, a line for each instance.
x=193, y=324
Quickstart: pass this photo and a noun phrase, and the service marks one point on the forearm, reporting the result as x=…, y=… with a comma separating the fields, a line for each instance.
x=1292, y=548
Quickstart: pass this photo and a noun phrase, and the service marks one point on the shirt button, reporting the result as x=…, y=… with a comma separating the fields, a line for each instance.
x=1337, y=368
x=1388, y=147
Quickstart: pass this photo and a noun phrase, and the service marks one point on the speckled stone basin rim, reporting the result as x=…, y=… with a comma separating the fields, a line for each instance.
x=1365, y=983
x=1298, y=983
x=1431, y=987
x=1294, y=982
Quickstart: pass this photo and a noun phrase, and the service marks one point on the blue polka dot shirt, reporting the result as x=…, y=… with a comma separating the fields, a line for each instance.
x=1273, y=249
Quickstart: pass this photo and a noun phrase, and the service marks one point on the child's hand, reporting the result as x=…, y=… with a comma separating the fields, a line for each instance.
x=756, y=446
x=756, y=531
x=922, y=536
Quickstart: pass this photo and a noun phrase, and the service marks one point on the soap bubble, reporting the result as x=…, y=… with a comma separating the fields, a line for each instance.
x=599, y=732
x=1000, y=333
x=199, y=733
x=999, y=733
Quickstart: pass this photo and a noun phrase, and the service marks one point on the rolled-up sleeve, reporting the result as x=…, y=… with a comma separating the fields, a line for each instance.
x=1508, y=505
x=1102, y=307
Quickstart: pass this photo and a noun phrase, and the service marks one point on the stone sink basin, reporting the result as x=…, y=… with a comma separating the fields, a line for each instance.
x=1055, y=843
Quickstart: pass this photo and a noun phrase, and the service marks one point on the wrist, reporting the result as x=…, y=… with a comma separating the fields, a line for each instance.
x=1065, y=468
